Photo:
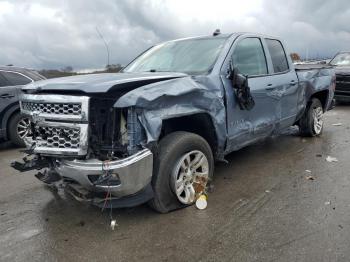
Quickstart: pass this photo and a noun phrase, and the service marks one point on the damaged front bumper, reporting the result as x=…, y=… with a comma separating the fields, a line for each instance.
x=119, y=183
x=120, y=177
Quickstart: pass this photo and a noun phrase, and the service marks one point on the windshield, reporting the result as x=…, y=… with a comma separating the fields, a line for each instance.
x=342, y=59
x=192, y=56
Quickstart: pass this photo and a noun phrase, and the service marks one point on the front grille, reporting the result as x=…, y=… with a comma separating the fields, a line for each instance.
x=56, y=137
x=52, y=108
x=345, y=78
x=60, y=123
x=342, y=84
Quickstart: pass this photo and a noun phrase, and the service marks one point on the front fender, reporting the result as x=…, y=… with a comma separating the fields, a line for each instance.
x=175, y=98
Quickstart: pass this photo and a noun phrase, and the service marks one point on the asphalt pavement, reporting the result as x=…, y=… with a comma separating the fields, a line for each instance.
x=279, y=200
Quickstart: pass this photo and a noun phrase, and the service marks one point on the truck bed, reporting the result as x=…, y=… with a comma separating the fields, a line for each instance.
x=315, y=78
x=301, y=67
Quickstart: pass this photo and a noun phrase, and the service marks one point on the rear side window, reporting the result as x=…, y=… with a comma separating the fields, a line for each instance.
x=16, y=79
x=278, y=56
x=249, y=57
x=3, y=81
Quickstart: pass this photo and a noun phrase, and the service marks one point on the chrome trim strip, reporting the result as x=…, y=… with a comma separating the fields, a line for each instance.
x=57, y=99
x=18, y=73
x=96, y=165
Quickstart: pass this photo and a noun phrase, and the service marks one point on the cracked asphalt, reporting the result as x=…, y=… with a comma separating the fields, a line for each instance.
x=263, y=208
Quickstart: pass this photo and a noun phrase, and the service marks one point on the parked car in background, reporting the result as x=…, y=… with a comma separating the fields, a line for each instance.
x=341, y=63
x=14, y=126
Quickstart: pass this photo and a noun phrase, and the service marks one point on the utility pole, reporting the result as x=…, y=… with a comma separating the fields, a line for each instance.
x=105, y=43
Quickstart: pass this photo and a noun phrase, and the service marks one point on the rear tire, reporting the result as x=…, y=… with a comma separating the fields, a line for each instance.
x=182, y=159
x=311, y=123
x=16, y=129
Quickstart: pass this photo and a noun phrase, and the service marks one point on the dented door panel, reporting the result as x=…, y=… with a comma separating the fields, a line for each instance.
x=246, y=127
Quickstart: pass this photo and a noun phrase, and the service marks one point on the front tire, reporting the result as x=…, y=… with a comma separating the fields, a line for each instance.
x=18, y=128
x=311, y=123
x=183, y=165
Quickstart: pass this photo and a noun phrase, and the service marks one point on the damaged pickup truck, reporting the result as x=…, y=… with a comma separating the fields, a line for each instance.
x=153, y=132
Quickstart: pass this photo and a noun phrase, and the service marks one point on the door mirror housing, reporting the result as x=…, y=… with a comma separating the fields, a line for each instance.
x=241, y=88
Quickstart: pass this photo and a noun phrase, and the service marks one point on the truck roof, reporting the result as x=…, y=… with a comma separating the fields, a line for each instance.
x=225, y=36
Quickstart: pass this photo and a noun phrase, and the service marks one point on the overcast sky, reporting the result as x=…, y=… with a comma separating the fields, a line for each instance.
x=54, y=34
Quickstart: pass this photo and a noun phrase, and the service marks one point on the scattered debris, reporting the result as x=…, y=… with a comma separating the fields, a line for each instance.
x=201, y=202
x=337, y=124
x=319, y=155
x=300, y=150
x=267, y=191
x=303, y=140
x=310, y=178
x=113, y=224
x=340, y=226
x=308, y=171
x=331, y=159
x=82, y=223
x=327, y=203
x=199, y=185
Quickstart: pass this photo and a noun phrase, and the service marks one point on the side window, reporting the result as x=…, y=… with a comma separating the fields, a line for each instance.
x=249, y=57
x=3, y=81
x=16, y=79
x=278, y=56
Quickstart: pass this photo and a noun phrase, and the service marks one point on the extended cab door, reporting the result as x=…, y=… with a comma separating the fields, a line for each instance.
x=284, y=82
x=245, y=127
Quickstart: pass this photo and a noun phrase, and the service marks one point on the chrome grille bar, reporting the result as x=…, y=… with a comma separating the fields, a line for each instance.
x=56, y=107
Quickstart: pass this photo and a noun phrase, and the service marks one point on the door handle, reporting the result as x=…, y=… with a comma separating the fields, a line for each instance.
x=270, y=87
x=6, y=96
x=293, y=83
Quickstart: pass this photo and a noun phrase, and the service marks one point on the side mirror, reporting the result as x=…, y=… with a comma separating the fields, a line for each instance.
x=242, y=90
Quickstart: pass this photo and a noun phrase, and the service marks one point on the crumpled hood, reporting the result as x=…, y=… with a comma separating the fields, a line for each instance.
x=342, y=70
x=99, y=83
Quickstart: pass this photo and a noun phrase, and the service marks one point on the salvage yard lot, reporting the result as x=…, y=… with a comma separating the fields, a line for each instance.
x=262, y=208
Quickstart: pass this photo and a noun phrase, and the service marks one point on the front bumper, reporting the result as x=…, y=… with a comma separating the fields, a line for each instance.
x=342, y=97
x=134, y=173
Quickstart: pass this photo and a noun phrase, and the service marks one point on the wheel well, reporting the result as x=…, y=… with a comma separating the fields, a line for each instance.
x=322, y=96
x=200, y=124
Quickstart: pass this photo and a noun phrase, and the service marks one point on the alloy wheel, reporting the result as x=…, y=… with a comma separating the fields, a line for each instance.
x=317, y=115
x=190, y=176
